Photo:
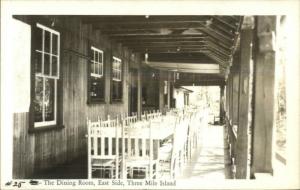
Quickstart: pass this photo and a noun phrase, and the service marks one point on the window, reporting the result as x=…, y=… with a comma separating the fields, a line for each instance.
x=166, y=92
x=97, y=63
x=96, y=82
x=117, y=84
x=46, y=70
x=117, y=69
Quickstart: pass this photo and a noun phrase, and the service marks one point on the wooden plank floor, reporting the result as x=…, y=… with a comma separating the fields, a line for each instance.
x=211, y=158
x=209, y=161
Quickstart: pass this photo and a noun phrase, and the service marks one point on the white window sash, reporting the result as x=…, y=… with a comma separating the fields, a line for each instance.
x=97, y=61
x=117, y=69
x=53, y=122
x=44, y=28
x=44, y=77
x=48, y=29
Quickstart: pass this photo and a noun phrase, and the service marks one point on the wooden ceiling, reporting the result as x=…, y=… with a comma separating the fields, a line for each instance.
x=197, y=39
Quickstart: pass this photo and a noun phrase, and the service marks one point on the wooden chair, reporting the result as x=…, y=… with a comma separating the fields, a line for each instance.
x=179, y=145
x=129, y=120
x=103, y=148
x=144, y=116
x=123, y=149
x=139, y=155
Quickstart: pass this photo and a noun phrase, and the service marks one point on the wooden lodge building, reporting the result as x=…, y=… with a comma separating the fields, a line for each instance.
x=79, y=76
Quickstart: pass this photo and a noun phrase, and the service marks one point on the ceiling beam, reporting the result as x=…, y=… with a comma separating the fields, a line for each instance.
x=123, y=26
x=183, y=70
x=141, y=18
x=217, y=34
x=172, y=24
x=201, y=83
x=155, y=40
x=224, y=22
x=217, y=57
x=217, y=38
x=218, y=60
x=165, y=44
x=169, y=50
x=219, y=43
x=162, y=36
x=218, y=51
x=222, y=48
x=162, y=31
x=223, y=30
x=220, y=28
x=195, y=65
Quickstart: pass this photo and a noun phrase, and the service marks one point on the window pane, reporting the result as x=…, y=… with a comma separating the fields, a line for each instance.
x=54, y=66
x=47, y=42
x=54, y=44
x=100, y=57
x=49, y=99
x=46, y=64
x=96, y=68
x=97, y=88
x=97, y=56
x=38, y=100
x=92, y=67
x=117, y=90
x=39, y=39
x=38, y=62
x=100, y=69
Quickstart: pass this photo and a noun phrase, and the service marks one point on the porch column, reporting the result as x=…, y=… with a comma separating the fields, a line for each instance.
x=230, y=97
x=235, y=88
x=245, y=92
x=222, y=104
x=161, y=90
x=264, y=96
x=169, y=91
x=139, y=91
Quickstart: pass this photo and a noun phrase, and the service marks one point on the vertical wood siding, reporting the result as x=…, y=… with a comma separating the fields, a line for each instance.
x=37, y=151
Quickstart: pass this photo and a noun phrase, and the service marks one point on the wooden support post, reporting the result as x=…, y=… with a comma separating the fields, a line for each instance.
x=139, y=92
x=161, y=91
x=230, y=98
x=235, y=91
x=169, y=90
x=89, y=151
x=264, y=96
x=117, y=149
x=222, y=104
x=124, y=171
x=227, y=97
x=150, y=152
x=244, y=100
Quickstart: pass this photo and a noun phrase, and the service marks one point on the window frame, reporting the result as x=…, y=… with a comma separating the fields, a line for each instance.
x=119, y=69
x=118, y=81
x=45, y=76
x=92, y=49
x=96, y=50
x=56, y=123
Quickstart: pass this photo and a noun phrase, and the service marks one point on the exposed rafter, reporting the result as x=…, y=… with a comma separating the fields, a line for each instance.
x=213, y=36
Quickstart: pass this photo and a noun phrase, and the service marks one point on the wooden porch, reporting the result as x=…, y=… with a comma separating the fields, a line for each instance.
x=102, y=102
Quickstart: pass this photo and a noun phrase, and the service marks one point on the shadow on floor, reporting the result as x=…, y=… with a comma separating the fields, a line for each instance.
x=76, y=169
